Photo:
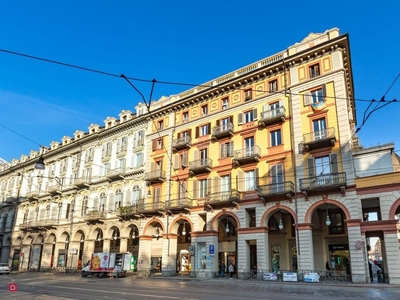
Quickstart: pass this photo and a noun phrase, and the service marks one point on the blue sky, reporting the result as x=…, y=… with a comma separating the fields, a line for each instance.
x=176, y=41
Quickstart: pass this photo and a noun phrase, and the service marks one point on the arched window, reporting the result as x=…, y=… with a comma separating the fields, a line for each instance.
x=102, y=201
x=118, y=199
x=4, y=222
x=135, y=194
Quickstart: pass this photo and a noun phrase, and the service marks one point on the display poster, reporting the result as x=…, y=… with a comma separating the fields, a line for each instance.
x=270, y=276
x=289, y=276
x=311, y=277
x=100, y=261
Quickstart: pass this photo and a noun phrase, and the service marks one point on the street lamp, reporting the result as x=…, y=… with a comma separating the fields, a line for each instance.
x=184, y=228
x=40, y=163
x=328, y=221
x=227, y=226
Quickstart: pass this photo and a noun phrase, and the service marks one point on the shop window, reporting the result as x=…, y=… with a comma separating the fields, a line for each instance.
x=337, y=223
x=202, y=256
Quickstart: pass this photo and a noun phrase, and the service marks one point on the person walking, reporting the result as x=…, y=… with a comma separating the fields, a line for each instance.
x=231, y=270
x=222, y=269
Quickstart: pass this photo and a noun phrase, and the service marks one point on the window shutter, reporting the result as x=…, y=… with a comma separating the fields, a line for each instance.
x=190, y=132
x=154, y=145
x=230, y=148
x=265, y=107
x=240, y=118
x=176, y=161
x=110, y=205
x=307, y=98
x=196, y=155
x=334, y=163
x=281, y=103
x=255, y=116
x=231, y=119
x=311, y=168
x=103, y=151
x=185, y=158
x=218, y=122
x=197, y=132
x=216, y=185
x=152, y=167
x=257, y=179
x=194, y=191
x=222, y=151
x=208, y=128
x=157, y=192
x=208, y=186
x=324, y=92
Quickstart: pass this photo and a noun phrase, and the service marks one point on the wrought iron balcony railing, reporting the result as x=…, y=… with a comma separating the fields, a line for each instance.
x=272, y=116
x=223, y=130
x=200, y=165
x=182, y=143
x=323, y=181
x=155, y=176
x=271, y=190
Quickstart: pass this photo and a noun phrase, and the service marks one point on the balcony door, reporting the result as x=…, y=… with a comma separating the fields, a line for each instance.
x=319, y=129
x=249, y=146
x=203, y=157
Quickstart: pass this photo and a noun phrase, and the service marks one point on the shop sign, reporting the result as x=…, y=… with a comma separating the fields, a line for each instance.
x=338, y=247
x=289, y=276
x=211, y=250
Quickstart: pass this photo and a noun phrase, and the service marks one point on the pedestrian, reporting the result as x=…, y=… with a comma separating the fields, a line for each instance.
x=370, y=272
x=222, y=269
x=231, y=270
x=328, y=269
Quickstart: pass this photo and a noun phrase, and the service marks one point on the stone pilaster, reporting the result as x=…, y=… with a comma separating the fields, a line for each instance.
x=123, y=247
x=169, y=255
x=144, y=252
x=358, y=256
x=305, y=252
x=391, y=245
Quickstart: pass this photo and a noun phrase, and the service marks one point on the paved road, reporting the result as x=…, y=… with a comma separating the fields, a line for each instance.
x=48, y=286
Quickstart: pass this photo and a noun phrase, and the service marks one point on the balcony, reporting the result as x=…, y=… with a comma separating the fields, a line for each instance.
x=184, y=142
x=324, y=183
x=200, y=166
x=150, y=208
x=156, y=176
x=138, y=144
x=82, y=183
x=276, y=191
x=54, y=189
x=32, y=196
x=31, y=225
x=94, y=217
x=222, y=198
x=319, y=139
x=117, y=173
x=179, y=205
x=126, y=212
x=273, y=116
x=246, y=155
x=222, y=131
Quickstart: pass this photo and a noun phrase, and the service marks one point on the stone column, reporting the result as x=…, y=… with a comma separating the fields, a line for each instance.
x=123, y=247
x=88, y=250
x=263, y=251
x=206, y=238
x=305, y=252
x=357, y=255
x=144, y=254
x=169, y=255
x=392, y=254
x=106, y=245
x=73, y=258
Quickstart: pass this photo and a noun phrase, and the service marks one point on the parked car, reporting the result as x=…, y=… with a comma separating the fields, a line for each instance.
x=4, y=268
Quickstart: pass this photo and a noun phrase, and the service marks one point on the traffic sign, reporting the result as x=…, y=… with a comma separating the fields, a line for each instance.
x=12, y=287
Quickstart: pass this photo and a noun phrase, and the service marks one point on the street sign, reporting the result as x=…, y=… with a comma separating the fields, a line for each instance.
x=211, y=250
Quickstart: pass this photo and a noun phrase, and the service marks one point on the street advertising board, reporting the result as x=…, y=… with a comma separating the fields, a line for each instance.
x=270, y=276
x=311, y=277
x=100, y=261
x=289, y=276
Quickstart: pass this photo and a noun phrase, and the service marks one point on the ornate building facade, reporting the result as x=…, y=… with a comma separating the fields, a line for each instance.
x=252, y=168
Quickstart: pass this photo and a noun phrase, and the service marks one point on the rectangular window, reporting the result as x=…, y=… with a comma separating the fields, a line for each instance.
x=248, y=95
x=106, y=169
x=275, y=137
x=160, y=125
x=204, y=130
x=319, y=127
x=137, y=160
x=317, y=96
x=250, y=181
x=226, y=149
x=322, y=165
x=159, y=144
x=249, y=116
x=202, y=188
x=204, y=110
x=314, y=71
x=185, y=117
x=225, y=103
x=225, y=183
x=337, y=226
x=273, y=86
x=276, y=174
